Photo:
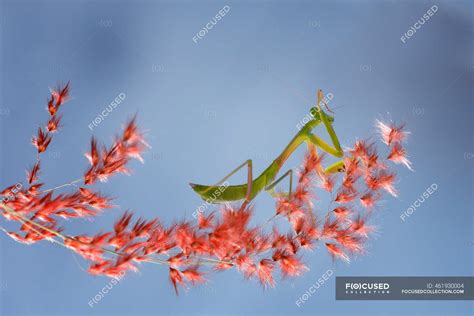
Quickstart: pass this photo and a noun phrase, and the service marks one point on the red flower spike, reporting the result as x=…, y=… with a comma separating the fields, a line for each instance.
x=32, y=174
x=342, y=213
x=177, y=260
x=122, y=223
x=391, y=133
x=53, y=123
x=205, y=222
x=350, y=243
x=289, y=264
x=345, y=196
x=326, y=182
x=369, y=199
x=265, y=269
x=193, y=275
x=51, y=108
x=398, y=155
x=336, y=252
x=382, y=180
x=176, y=278
x=93, y=156
x=41, y=141
x=359, y=227
x=61, y=95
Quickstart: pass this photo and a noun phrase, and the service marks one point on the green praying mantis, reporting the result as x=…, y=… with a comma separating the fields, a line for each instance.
x=266, y=180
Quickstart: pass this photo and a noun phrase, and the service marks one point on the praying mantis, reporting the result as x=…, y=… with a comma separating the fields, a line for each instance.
x=266, y=180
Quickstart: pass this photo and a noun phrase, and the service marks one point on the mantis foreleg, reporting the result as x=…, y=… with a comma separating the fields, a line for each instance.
x=336, y=150
x=318, y=142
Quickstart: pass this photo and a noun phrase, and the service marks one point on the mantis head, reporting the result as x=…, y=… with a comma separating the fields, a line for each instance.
x=317, y=112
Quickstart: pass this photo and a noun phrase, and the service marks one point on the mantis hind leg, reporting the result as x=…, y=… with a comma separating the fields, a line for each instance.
x=248, y=194
x=270, y=188
x=247, y=163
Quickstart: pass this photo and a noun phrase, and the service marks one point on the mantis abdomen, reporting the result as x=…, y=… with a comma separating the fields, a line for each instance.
x=223, y=193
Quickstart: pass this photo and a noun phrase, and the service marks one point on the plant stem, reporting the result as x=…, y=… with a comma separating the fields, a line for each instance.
x=63, y=185
x=24, y=220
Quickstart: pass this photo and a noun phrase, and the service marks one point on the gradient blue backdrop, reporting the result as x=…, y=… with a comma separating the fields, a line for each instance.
x=238, y=93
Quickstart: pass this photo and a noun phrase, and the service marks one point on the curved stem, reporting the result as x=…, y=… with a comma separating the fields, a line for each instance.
x=63, y=185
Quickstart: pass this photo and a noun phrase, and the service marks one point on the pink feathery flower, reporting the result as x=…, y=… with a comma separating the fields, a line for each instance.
x=360, y=227
x=193, y=275
x=113, y=160
x=351, y=243
x=32, y=174
x=362, y=149
x=369, y=199
x=398, y=155
x=176, y=278
x=289, y=264
x=41, y=142
x=58, y=97
x=342, y=213
x=53, y=123
x=382, y=180
x=345, y=196
x=391, y=134
x=337, y=252
x=326, y=182
x=265, y=269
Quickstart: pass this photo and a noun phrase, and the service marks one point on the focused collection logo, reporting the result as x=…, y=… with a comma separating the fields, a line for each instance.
x=405, y=288
x=367, y=288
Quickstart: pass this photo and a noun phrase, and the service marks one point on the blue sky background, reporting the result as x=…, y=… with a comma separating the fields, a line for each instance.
x=238, y=93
